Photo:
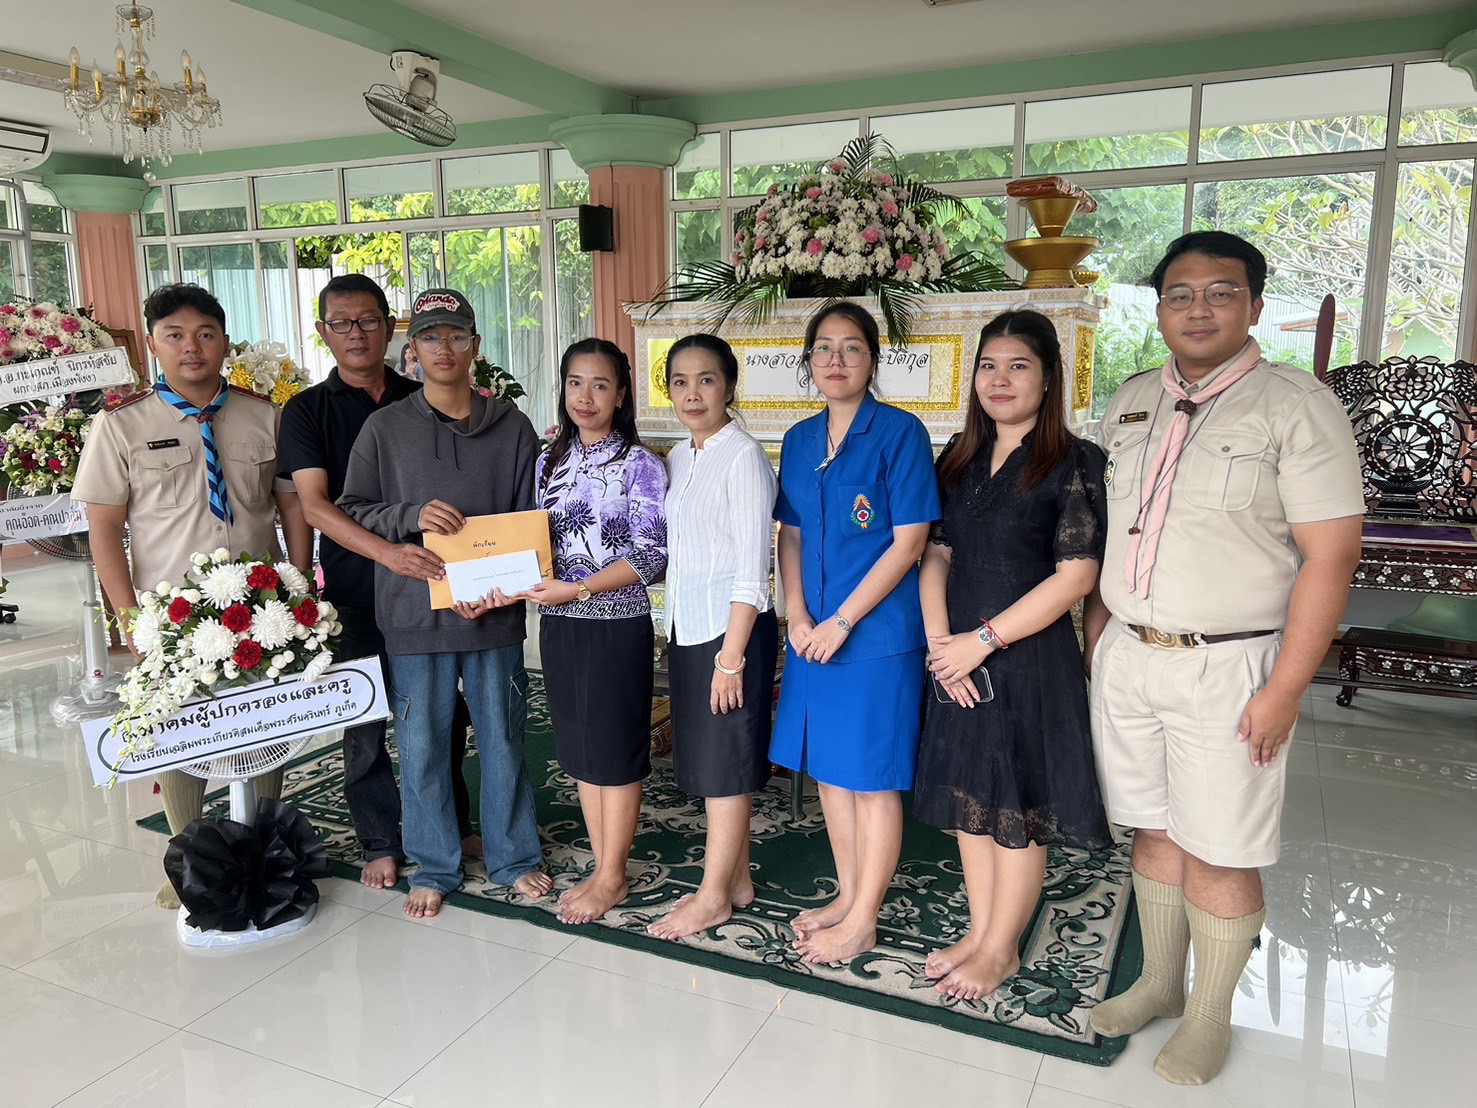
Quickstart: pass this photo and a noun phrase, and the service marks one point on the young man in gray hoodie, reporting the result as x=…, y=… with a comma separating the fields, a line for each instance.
x=424, y=464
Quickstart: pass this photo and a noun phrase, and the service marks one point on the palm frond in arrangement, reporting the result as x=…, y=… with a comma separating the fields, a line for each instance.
x=847, y=229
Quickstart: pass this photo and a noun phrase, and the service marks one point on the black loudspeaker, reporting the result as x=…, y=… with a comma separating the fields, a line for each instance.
x=597, y=227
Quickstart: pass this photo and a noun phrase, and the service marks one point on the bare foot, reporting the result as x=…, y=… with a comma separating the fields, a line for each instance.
x=535, y=884
x=382, y=873
x=942, y=962
x=472, y=846
x=741, y=892
x=840, y=943
x=818, y=919
x=691, y=915
x=166, y=897
x=589, y=900
x=423, y=903
x=979, y=975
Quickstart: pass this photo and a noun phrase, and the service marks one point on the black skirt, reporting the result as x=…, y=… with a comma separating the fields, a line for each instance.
x=598, y=674
x=723, y=755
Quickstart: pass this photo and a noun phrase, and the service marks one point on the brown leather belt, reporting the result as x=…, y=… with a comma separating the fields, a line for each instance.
x=1173, y=641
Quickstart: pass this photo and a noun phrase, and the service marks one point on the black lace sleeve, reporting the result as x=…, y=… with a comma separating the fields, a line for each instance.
x=1082, y=508
x=936, y=533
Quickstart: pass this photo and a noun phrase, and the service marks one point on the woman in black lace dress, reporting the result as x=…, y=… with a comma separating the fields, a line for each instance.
x=1020, y=542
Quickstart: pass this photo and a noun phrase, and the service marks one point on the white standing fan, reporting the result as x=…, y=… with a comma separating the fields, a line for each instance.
x=239, y=770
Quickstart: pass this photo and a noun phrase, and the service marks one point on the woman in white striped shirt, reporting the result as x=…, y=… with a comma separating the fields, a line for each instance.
x=722, y=631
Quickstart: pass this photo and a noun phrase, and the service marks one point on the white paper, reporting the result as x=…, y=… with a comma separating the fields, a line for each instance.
x=349, y=693
x=473, y=579
x=43, y=377
x=42, y=517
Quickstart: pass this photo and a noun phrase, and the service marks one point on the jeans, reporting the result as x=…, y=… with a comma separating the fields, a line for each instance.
x=423, y=696
x=369, y=775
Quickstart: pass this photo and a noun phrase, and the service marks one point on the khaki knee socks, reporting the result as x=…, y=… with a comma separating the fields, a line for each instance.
x=184, y=800
x=1160, y=990
x=1197, y=1050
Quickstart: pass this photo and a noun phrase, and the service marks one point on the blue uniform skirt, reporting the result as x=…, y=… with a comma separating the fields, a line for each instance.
x=854, y=725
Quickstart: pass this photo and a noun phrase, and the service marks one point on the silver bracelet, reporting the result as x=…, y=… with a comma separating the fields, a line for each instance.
x=721, y=668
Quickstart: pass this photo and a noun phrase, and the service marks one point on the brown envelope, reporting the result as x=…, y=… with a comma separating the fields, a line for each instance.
x=486, y=536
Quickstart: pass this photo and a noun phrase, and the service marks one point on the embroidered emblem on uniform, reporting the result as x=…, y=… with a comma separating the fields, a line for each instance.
x=1133, y=417
x=861, y=511
x=1108, y=472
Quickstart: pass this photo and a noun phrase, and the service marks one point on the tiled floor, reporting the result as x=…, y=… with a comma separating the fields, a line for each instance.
x=1363, y=993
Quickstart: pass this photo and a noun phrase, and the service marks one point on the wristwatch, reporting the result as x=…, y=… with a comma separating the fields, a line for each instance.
x=581, y=591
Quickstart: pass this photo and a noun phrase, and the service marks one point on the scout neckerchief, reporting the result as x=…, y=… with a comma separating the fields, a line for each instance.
x=1159, y=478
x=215, y=476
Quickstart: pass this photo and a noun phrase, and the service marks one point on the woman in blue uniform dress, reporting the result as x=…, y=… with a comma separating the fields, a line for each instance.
x=857, y=495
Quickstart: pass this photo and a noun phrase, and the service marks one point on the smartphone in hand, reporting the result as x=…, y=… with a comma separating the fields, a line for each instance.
x=982, y=684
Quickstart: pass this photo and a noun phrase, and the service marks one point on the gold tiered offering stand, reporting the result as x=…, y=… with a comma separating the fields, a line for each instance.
x=1051, y=260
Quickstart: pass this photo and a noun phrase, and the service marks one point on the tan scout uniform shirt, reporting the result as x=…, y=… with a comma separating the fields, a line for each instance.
x=1273, y=450
x=149, y=455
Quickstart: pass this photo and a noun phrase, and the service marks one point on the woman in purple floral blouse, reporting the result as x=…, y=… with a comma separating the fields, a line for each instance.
x=604, y=493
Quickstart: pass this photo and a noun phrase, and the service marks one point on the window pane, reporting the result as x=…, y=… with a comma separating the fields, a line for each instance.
x=401, y=191
x=6, y=200
x=1438, y=105
x=209, y=207
x=51, y=278
x=495, y=183
x=1135, y=225
x=574, y=284
x=500, y=272
x=379, y=255
x=699, y=173
x=7, y=268
x=425, y=262
x=1427, y=266
x=1311, y=113
x=779, y=155
x=229, y=272
x=1315, y=234
x=45, y=213
x=700, y=237
x=151, y=217
x=156, y=267
x=981, y=228
x=1120, y=131
x=571, y=184
x=277, y=284
x=297, y=199
x=967, y=144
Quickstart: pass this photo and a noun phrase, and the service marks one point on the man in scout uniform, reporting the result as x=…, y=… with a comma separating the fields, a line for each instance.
x=319, y=427
x=1234, y=508
x=188, y=465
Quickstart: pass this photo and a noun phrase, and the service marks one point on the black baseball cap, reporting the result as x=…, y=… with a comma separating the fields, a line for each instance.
x=441, y=308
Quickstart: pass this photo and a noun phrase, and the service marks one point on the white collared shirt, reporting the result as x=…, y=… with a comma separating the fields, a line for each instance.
x=719, y=504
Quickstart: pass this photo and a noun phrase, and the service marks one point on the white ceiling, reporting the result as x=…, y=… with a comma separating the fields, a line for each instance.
x=261, y=68
x=264, y=69
x=662, y=48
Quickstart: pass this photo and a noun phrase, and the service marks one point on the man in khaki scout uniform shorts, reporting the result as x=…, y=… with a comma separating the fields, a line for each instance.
x=188, y=465
x=1234, y=508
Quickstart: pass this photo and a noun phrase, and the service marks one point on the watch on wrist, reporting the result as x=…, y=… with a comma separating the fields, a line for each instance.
x=842, y=622
x=582, y=591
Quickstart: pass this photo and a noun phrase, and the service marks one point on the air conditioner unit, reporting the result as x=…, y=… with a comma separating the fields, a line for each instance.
x=23, y=146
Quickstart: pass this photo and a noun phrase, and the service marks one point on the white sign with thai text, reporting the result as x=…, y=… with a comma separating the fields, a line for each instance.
x=95, y=369
x=350, y=693
x=777, y=371
x=41, y=517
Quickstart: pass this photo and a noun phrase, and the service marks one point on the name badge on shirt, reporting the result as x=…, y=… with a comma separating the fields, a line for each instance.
x=1133, y=417
x=160, y=444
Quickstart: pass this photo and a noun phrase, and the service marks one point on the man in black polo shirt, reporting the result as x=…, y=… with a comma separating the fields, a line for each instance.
x=318, y=430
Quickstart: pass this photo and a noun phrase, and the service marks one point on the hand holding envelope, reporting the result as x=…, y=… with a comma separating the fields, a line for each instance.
x=509, y=552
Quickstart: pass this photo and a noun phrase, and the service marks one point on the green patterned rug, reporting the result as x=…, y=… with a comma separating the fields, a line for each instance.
x=1082, y=944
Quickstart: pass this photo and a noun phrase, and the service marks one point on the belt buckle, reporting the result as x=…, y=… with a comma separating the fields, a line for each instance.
x=1168, y=639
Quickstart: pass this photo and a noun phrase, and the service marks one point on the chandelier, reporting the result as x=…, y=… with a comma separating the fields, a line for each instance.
x=133, y=101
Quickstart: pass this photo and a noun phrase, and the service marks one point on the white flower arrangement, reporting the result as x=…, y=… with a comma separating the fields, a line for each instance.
x=43, y=330
x=40, y=450
x=246, y=620
x=265, y=369
x=847, y=229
